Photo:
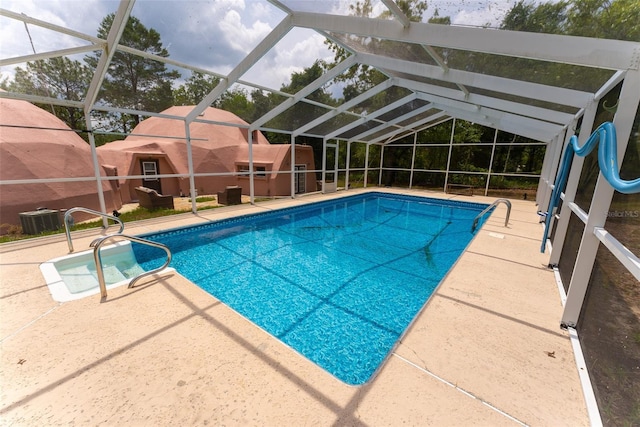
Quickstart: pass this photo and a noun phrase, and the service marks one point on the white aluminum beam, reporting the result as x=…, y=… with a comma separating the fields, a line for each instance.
x=621, y=252
x=281, y=6
x=48, y=55
x=606, y=88
x=344, y=107
x=42, y=99
x=504, y=125
x=166, y=60
x=524, y=89
x=544, y=114
x=416, y=126
x=600, y=205
x=397, y=12
x=115, y=32
x=392, y=123
x=49, y=26
x=591, y=52
x=560, y=226
x=108, y=109
x=434, y=55
x=371, y=116
x=310, y=88
x=254, y=56
x=499, y=117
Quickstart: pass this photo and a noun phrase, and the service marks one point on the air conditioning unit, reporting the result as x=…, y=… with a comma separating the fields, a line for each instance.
x=36, y=222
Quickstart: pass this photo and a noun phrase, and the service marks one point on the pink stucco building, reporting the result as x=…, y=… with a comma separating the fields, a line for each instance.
x=35, y=144
x=221, y=151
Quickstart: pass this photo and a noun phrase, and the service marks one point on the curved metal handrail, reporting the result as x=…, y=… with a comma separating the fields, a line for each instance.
x=97, y=244
x=488, y=208
x=67, y=216
x=605, y=137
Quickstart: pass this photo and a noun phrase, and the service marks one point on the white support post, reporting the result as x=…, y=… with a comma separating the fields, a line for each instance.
x=413, y=158
x=192, y=180
x=324, y=164
x=347, y=164
x=366, y=165
x=493, y=152
x=600, y=203
x=572, y=186
x=544, y=184
x=252, y=192
x=335, y=165
x=381, y=160
x=96, y=170
x=115, y=32
x=293, y=167
x=555, y=162
x=446, y=174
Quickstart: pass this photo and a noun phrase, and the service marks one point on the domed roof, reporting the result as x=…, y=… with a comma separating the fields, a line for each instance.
x=214, y=146
x=38, y=145
x=217, y=135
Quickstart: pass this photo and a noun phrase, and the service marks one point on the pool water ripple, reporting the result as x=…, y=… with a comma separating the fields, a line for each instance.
x=338, y=281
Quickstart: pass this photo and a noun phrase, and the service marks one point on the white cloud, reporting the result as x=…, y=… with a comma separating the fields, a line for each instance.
x=295, y=52
x=18, y=40
x=241, y=37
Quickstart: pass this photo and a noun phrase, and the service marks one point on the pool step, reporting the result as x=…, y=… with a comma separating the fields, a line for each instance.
x=118, y=267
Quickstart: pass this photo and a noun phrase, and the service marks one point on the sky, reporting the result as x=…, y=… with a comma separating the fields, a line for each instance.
x=212, y=34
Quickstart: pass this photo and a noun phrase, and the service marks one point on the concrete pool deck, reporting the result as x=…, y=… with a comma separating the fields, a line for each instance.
x=487, y=348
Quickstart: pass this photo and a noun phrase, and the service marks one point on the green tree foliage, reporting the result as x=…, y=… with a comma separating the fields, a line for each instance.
x=199, y=85
x=437, y=19
x=619, y=19
x=60, y=78
x=194, y=89
x=359, y=78
x=413, y=9
x=302, y=112
x=543, y=18
x=237, y=102
x=133, y=81
x=609, y=19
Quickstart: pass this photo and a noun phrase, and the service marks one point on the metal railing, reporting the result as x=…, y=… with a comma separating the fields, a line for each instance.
x=488, y=208
x=68, y=217
x=97, y=244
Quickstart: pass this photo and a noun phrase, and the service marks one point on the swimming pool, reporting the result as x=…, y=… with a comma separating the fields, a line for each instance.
x=74, y=276
x=338, y=281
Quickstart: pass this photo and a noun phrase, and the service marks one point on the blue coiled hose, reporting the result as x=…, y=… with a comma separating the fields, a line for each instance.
x=605, y=134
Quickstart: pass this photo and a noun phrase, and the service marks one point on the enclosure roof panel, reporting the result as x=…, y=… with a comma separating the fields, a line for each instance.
x=530, y=84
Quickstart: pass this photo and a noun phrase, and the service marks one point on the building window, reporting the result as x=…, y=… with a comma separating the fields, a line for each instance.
x=258, y=171
x=150, y=168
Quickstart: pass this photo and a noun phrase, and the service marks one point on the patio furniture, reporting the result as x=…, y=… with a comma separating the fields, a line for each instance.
x=232, y=195
x=150, y=199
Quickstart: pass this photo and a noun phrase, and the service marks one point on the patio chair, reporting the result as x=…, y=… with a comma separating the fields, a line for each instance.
x=150, y=199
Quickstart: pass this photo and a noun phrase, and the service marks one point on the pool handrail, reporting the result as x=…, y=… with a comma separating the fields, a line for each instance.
x=97, y=244
x=605, y=137
x=68, y=213
x=488, y=208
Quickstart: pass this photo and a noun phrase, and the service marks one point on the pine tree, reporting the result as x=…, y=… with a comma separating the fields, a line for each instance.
x=132, y=81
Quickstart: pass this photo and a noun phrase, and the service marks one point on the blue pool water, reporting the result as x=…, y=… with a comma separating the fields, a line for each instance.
x=338, y=281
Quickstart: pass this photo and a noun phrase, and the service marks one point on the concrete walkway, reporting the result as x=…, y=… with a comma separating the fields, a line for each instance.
x=486, y=349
